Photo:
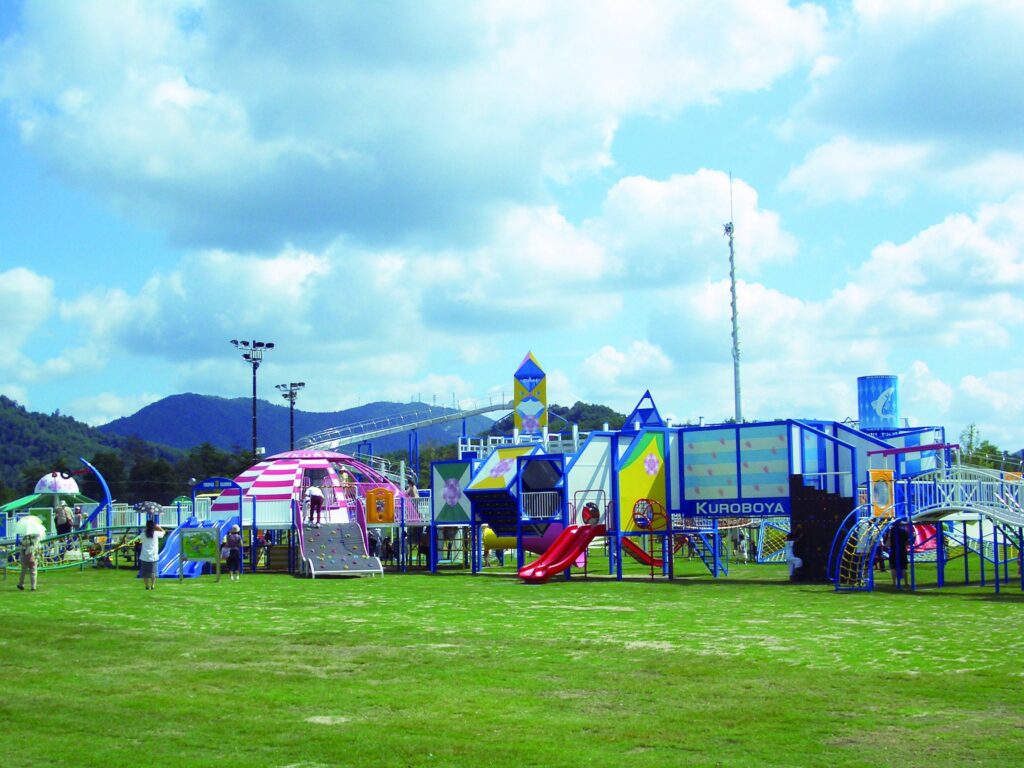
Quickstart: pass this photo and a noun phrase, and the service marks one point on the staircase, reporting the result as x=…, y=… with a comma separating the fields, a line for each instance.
x=498, y=510
x=815, y=516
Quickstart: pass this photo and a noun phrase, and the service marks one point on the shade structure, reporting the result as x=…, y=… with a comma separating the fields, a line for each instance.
x=42, y=500
x=57, y=482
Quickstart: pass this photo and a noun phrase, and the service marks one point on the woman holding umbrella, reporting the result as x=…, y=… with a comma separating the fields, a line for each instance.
x=30, y=528
x=28, y=553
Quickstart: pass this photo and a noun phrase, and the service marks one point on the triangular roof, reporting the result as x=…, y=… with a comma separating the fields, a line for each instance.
x=529, y=368
x=645, y=413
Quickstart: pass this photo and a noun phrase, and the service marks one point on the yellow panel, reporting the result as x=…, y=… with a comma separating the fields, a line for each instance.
x=643, y=477
x=881, y=492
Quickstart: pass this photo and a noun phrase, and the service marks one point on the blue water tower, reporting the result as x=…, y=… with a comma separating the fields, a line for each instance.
x=878, y=402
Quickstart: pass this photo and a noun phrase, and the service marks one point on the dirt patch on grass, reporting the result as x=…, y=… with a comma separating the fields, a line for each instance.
x=328, y=719
x=650, y=645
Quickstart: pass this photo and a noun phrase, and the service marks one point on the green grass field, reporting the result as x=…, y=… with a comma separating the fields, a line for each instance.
x=455, y=670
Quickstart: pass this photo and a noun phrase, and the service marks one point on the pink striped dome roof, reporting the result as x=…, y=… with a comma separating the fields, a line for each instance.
x=283, y=477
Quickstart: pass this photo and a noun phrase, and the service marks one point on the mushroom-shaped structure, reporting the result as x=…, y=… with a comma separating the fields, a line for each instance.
x=57, y=482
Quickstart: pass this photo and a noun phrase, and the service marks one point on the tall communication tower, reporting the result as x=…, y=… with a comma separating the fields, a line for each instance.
x=729, y=231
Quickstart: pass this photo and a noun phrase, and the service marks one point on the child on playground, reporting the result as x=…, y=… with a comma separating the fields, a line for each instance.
x=316, y=503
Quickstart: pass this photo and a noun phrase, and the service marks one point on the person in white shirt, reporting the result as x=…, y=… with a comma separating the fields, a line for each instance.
x=150, y=553
x=316, y=502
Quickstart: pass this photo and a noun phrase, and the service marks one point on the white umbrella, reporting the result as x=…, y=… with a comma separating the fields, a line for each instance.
x=29, y=525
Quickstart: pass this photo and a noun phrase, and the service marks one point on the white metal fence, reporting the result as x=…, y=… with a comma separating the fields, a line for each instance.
x=541, y=504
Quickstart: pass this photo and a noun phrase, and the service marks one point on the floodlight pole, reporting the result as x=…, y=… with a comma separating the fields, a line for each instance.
x=289, y=392
x=252, y=353
x=729, y=230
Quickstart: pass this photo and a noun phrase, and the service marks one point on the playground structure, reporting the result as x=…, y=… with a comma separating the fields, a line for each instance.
x=650, y=490
x=98, y=540
x=954, y=511
x=50, y=491
x=266, y=498
x=269, y=497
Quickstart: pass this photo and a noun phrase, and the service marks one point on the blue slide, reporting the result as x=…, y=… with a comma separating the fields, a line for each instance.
x=167, y=565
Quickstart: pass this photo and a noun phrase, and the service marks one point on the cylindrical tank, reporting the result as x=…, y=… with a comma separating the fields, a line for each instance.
x=878, y=402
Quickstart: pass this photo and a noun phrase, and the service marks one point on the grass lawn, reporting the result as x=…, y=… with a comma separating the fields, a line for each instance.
x=455, y=670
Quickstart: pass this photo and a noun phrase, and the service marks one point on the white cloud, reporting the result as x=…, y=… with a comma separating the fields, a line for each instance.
x=991, y=176
x=924, y=71
x=671, y=231
x=210, y=298
x=237, y=129
x=923, y=390
x=851, y=170
x=994, y=402
x=848, y=170
x=107, y=406
x=618, y=371
x=26, y=302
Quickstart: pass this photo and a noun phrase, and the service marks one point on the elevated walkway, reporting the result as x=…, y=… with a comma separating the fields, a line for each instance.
x=961, y=493
x=373, y=429
x=965, y=492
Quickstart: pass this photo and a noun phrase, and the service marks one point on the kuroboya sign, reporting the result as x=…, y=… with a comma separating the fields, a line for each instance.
x=766, y=508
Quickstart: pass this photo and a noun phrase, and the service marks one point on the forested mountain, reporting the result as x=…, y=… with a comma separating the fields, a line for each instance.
x=184, y=421
x=155, y=453
x=32, y=444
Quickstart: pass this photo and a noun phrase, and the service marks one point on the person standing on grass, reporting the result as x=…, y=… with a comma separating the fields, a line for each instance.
x=28, y=555
x=899, y=547
x=233, y=542
x=150, y=553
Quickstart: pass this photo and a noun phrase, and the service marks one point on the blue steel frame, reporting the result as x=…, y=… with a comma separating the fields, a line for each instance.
x=474, y=526
x=414, y=453
x=562, y=517
x=615, y=532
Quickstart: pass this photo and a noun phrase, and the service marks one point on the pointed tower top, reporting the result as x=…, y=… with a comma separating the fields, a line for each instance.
x=645, y=414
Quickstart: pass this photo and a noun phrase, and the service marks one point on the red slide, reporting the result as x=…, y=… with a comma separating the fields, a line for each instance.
x=639, y=553
x=570, y=544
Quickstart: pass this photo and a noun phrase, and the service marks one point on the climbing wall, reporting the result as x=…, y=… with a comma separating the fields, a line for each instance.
x=338, y=549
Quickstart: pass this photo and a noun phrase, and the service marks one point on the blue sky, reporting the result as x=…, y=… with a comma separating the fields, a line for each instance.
x=408, y=197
